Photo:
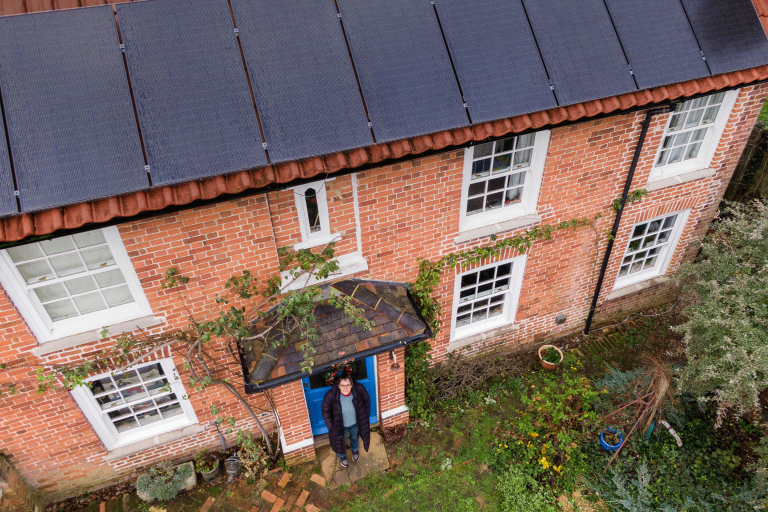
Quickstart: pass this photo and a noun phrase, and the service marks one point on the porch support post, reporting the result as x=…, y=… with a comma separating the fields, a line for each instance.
x=296, y=431
x=392, y=388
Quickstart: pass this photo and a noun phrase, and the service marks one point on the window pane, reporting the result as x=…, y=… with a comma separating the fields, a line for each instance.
x=468, y=279
x=516, y=179
x=484, y=289
x=110, y=278
x=35, y=272
x=487, y=274
x=514, y=196
x=57, y=245
x=89, y=303
x=670, y=221
x=102, y=385
x=636, y=266
x=98, y=257
x=496, y=184
x=120, y=413
x=466, y=295
x=504, y=145
x=482, y=150
x=90, y=238
x=133, y=394
x=523, y=158
x=60, y=310
x=50, y=292
x=313, y=212
x=464, y=309
x=117, y=295
x=677, y=121
x=526, y=141
x=474, y=206
x=109, y=401
x=716, y=98
x=479, y=315
x=81, y=285
x=496, y=310
x=654, y=226
x=67, y=264
x=664, y=236
x=493, y=201
x=694, y=118
x=171, y=410
x=126, y=379
x=476, y=189
x=25, y=252
x=126, y=424
x=693, y=151
x=634, y=245
x=149, y=417
x=502, y=285
x=649, y=241
x=650, y=262
x=639, y=230
x=462, y=320
x=481, y=304
x=481, y=168
x=503, y=270
x=151, y=372
x=501, y=163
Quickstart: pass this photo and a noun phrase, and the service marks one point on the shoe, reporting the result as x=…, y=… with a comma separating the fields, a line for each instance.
x=355, y=456
x=344, y=462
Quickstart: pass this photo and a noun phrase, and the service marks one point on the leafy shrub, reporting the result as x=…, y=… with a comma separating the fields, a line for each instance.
x=558, y=416
x=726, y=335
x=521, y=493
x=164, y=482
x=254, y=458
x=418, y=382
x=206, y=461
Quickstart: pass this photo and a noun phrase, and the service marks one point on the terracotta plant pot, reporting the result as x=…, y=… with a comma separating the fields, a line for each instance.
x=547, y=365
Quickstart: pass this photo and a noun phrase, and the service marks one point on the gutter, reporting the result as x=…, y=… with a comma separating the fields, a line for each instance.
x=115, y=221
x=664, y=109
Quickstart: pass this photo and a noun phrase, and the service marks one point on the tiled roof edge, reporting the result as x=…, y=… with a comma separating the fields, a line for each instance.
x=102, y=211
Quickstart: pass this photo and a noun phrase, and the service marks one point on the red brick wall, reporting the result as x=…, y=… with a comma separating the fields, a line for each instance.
x=391, y=386
x=407, y=210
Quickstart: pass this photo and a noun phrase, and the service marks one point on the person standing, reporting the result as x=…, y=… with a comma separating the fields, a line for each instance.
x=346, y=410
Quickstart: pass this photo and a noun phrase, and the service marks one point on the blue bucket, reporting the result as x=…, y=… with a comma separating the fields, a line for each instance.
x=604, y=443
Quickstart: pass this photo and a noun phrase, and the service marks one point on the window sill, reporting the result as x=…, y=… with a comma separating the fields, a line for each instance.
x=499, y=227
x=636, y=287
x=91, y=336
x=664, y=182
x=348, y=264
x=146, y=444
x=474, y=338
x=325, y=240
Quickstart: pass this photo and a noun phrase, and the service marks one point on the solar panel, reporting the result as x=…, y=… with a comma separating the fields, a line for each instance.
x=71, y=124
x=195, y=109
x=496, y=58
x=661, y=49
x=404, y=70
x=729, y=32
x=302, y=78
x=7, y=201
x=580, y=49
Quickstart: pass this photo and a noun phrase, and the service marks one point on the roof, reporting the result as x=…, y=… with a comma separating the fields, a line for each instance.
x=156, y=198
x=388, y=306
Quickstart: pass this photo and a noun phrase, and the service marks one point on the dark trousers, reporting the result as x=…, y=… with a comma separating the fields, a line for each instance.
x=354, y=439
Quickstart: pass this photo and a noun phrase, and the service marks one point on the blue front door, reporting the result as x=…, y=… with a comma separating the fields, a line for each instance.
x=315, y=390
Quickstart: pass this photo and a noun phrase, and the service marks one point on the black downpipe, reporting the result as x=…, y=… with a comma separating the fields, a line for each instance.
x=627, y=184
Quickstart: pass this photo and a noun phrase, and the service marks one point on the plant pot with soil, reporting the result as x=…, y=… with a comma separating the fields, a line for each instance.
x=610, y=439
x=208, y=465
x=550, y=357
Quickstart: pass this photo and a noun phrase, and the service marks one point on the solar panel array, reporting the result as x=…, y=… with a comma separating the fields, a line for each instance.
x=302, y=78
x=729, y=32
x=71, y=124
x=192, y=96
x=496, y=59
x=671, y=55
x=307, y=80
x=404, y=69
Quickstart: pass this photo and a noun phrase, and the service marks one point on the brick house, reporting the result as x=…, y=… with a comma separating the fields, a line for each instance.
x=387, y=129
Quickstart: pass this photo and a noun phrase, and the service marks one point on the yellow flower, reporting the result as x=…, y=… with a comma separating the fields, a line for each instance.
x=499, y=445
x=573, y=367
x=520, y=442
x=557, y=468
x=533, y=434
x=505, y=446
x=497, y=450
x=544, y=463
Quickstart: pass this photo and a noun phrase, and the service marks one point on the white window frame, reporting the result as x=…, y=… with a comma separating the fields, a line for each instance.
x=38, y=320
x=708, y=146
x=105, y=429
x=308, y=238
x=512, y=296
x=665, y=255
x=532, y=186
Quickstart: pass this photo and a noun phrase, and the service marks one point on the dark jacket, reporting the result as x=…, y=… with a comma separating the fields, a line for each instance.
x=335, y=423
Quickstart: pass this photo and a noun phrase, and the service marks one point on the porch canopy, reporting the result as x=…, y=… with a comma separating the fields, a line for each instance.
x=388, y=305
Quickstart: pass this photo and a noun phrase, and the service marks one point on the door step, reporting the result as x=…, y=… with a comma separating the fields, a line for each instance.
x=321, y=440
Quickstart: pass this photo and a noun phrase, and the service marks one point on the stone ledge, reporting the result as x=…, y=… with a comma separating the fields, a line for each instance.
x=469, y=340
x=95, y=335
x=492, y=229
x=627, y=290
x=146, y=444
x=680, y=178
